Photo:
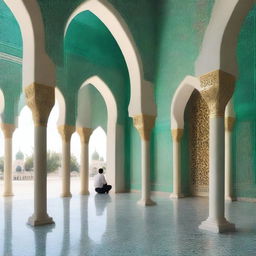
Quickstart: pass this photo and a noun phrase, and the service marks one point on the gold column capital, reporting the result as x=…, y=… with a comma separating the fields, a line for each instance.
x=84, y=134
x=229, y=123
x=144, y=124
x=217, y=89
x=40, y=99
x=66, y=132
x=177, y=134
x=8, y=130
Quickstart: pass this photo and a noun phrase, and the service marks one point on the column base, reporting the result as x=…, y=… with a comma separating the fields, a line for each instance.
x=147, y=202
x=6, y=194
x=230, y=199
x=218, y=227
x=84, y=193
x=176, y=196
x=32, y=221
x=66, y=195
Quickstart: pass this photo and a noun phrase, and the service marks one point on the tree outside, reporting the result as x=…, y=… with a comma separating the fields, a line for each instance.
x=74, y=166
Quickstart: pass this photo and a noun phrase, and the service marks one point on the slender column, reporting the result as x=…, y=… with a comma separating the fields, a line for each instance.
x=217, y=89
x=176, y=137
x=229, y=123
x=66, y=132
x=40, y=99
x=84, y=134
x=8, y=130
x=144, y=125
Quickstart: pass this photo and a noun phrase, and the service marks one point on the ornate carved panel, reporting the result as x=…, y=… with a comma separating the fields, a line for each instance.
x=199, y=144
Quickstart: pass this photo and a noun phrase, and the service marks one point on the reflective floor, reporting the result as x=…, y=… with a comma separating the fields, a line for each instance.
x=116, y=225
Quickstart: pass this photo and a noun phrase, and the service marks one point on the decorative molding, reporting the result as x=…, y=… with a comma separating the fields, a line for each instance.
x=11, y=58
x=177, y=134
x=84, y=134
x=217, y=89
x=144, y=124
x=66, y=132
x=40, y=99
x=8, y=130
x=229, y=123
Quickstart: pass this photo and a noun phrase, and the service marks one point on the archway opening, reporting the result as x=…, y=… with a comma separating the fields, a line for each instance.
x=97, y=154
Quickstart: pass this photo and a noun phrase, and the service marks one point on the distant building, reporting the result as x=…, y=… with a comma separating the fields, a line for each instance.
x=96, y=162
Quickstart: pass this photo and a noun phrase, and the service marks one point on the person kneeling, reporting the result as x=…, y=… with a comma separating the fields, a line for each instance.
x=100, y=183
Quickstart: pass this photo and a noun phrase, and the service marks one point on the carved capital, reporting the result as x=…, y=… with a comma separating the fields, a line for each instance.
x=40, y=99
x=144, y=125
x=177, y=134
x=229, y=123
x=8, y=130
x=84, y=134
x=66, y=132
x=217, y=89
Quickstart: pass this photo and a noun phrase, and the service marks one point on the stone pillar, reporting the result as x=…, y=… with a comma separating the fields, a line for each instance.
x=66, y=132
x=217, y=89
x=229, y=123
x=144, y=125
x=84, y=134
x=40, y=99
x=8, y=130
x=176, y=138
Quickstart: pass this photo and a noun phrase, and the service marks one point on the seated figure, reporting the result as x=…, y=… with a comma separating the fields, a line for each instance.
x=100, y=183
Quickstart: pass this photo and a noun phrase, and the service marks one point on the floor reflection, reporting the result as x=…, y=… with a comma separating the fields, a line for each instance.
x=97, y=216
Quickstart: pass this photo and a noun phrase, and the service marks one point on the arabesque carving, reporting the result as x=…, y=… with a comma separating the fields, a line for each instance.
x=144, y=124
x=199, y=144
x=66, y=132
x=8, y=130
x=84, y=134
x=40, y=99
x=217, y=89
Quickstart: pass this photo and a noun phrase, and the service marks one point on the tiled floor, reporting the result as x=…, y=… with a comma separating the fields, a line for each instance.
x=116, y=225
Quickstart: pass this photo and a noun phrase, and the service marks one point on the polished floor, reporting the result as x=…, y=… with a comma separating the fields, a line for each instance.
x=116, y=225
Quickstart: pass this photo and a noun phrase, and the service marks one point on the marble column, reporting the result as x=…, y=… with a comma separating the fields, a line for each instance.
x=8, y=130
x=144, y=125
x=176, y=138
x=66, y=132
x=40, y=99
x=229, y=123
x=217, y=89
x=84, y=134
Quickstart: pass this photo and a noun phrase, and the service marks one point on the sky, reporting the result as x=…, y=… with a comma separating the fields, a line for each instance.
x=23, y=138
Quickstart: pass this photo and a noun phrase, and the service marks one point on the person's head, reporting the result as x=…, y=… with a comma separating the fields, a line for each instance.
x=100, y=170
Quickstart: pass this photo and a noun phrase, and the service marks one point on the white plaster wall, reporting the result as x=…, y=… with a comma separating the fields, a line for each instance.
x=62, y=107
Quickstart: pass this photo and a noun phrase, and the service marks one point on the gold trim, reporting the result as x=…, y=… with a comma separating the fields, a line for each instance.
x=66, y=132
x=84, y=134
x=8, y=130
x=40, y=99
x=144, y=124
x=217, y=89
x=177, y=134
x=229, y=123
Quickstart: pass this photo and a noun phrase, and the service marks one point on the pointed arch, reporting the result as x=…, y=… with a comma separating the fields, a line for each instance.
x=37, y=66
x=115, y=163
x=62, y=107
x=219, y=44
x=142, y=99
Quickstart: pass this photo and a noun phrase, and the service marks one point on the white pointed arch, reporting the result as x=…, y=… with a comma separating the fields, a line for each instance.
x=180, y=100
x=139, y=102
x=115, y=164
x=219, y=44
x=62, y=107
x=37, y=66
